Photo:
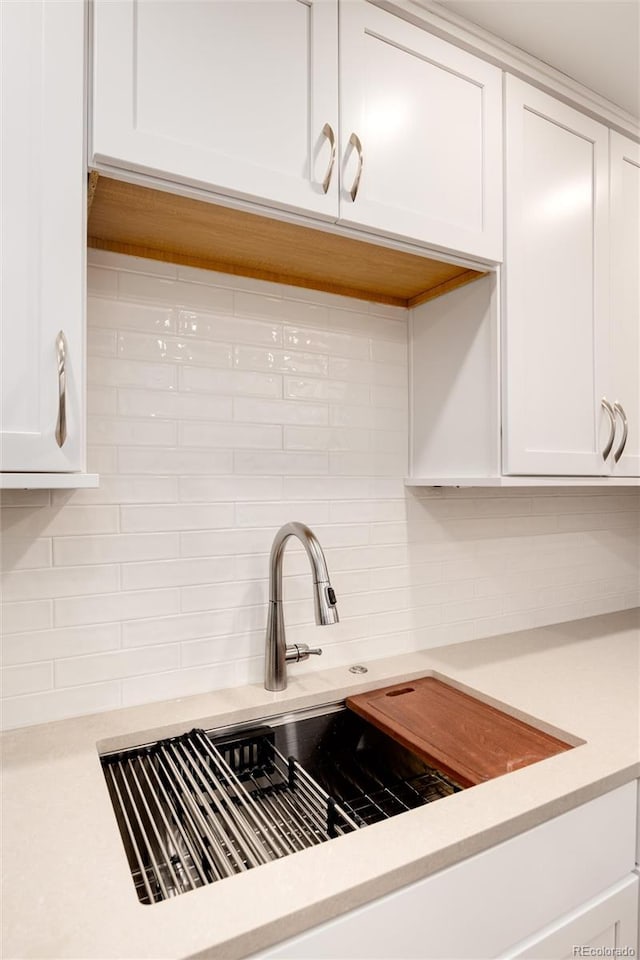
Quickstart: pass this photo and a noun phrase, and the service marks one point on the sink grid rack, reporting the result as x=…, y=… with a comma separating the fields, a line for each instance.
x=386, y=800
x=192, y=810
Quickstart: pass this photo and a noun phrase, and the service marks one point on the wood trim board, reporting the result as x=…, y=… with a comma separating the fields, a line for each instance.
x=140, y=221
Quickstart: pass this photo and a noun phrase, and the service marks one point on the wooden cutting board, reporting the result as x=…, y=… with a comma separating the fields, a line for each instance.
x=467, y=739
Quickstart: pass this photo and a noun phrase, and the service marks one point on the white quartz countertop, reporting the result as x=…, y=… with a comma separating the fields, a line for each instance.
x=67, y=887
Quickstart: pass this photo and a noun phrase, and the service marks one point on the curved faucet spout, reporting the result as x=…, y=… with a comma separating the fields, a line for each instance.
x=324, y=598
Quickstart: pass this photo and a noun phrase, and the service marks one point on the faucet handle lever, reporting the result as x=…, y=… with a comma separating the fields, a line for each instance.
x=296, y=652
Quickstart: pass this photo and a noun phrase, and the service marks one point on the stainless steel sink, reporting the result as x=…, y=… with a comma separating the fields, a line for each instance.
x=206, y=805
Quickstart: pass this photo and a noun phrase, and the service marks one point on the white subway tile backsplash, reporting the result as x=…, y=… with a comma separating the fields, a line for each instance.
x=280, y=361
x=326, y=342
x=216, y=649
x=123, y=431
x=229, y=329
x=102, y=401
x=114, y=607
x=232, y=382
x=180, y=683
x=369, y=417
x=27, y=678
x=367, y=511
x=140, y=346
x=383, y=395
x=165, y=460
x=279, y=462
x=228, y=435
x=32, y=615
x=24, y=498
x=174, y=629
x=210, y=489
x=176, y=517
x=326, y=438
x=75, y=671
x=102, y=460
x=57, y=704
x=102, y=343
x=259, y=305
x=366, y=371
x=211, y=543
x=23, y=553
x=215, y=596
x=56, y=643
x=114, y=548
x=125, y=489
x=385, y=351
x=102, y=282
x=231, y=407
x=306, y=388
x=102, y=371
x=59, y=582
x=58, y=520
x=369, y=323
x=268, y=514
x=172, y=406
x=176, y=573
x=145, y=318
x=250, y=410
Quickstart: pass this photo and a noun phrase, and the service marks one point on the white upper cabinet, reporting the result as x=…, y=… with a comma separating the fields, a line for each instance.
x=556, y=303
x=43, y=237
x=624, y=380
x=243, y=99
x=237, y=97
x=420, y=124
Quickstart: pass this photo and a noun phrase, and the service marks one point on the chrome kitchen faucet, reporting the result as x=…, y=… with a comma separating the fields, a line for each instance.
x=277, y=653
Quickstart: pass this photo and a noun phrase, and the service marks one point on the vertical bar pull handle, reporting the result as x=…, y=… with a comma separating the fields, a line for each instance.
x=61, y=424
x=329, y=134
x=625, y=430
x=354, y=140
x=612, y=420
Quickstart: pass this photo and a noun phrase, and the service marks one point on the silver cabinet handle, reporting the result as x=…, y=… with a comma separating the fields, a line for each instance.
x=354, y=140
x=625, y=430
x=612, y=420
x=61, y=425
x=329, y=134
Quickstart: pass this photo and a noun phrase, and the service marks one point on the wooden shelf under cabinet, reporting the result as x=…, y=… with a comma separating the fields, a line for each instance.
x=128, y=218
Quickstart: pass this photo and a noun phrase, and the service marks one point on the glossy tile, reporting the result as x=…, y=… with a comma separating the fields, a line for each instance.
x=280, y=361
x=230, y=435
x=228, y=329
x=231, y=382
x=176, y=517
x=233, y=406
x=55, y=643
x=250, y=410
x=114, y=548
x=173, y=349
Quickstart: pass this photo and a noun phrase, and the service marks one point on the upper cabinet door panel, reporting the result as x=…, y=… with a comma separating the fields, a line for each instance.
x=428, y=117
x=229, y=95
x=556, y=292
x=625, y=298
x=43, y=236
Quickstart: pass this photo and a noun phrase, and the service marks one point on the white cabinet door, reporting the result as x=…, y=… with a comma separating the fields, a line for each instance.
x=556, y=302
x=485, y=904
x=624, y=383
x=43, y=234
x=233, y=96
x=607, y=925
x=428, y=118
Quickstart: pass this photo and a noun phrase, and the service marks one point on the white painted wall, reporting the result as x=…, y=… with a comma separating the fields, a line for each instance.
x=220, y=408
